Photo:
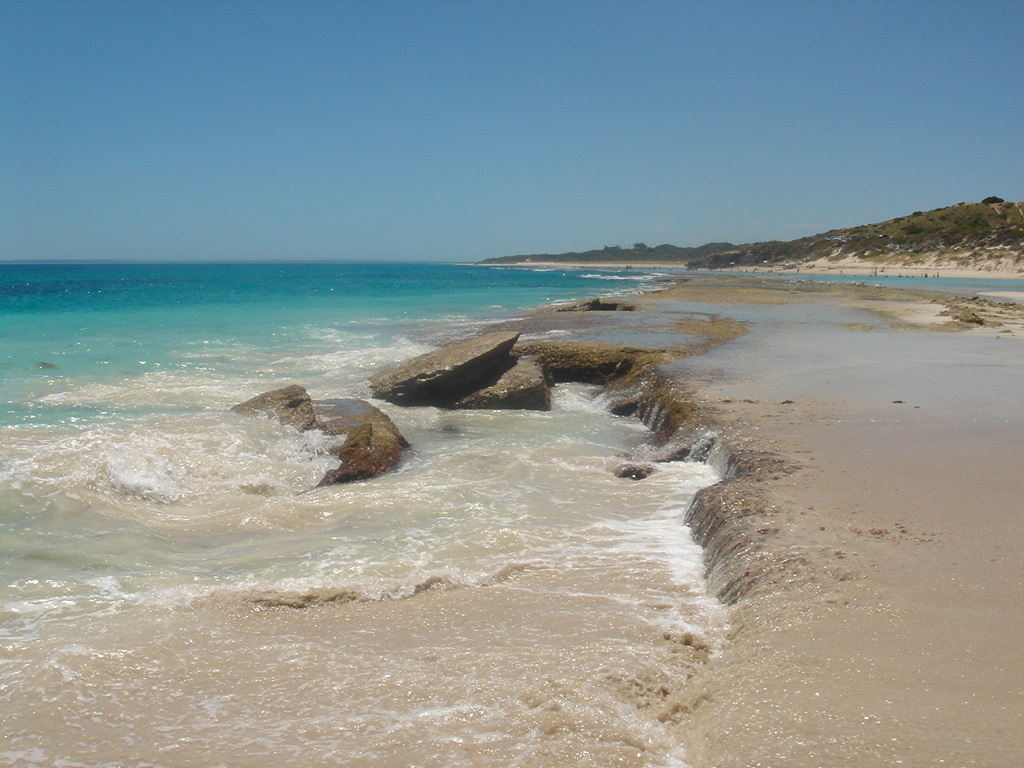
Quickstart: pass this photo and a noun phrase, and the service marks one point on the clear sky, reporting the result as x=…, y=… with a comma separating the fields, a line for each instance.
x=260, y=129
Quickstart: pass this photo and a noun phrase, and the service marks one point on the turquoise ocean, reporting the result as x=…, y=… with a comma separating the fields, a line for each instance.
x=173, y=592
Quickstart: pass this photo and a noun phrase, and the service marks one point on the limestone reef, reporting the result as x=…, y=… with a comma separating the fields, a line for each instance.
x=480, y=372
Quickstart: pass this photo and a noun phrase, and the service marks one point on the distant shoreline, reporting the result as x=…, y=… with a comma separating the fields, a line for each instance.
x=811, y=268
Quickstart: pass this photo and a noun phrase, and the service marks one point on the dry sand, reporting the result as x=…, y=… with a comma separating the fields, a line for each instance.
x=892, y=630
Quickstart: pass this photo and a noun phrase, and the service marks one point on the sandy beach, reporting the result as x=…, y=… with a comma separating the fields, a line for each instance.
x=884, y=624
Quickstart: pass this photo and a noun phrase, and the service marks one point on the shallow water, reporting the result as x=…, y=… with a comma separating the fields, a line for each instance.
x=963, y=285
x=174, y=593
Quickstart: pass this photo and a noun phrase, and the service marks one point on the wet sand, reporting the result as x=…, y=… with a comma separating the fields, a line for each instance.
x=886, y=625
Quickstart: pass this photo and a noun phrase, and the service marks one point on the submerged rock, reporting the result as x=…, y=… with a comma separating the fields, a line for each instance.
x=290, y=405
x=634, y=471
x=445, y=376
x=523, y=386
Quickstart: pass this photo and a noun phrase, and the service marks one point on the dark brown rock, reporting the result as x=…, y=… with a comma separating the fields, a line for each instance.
x=634, y=471
x=598, y=305
x=341, y=416
x=368, y=451
x=289, y=405
x=446, y=375
x=524, y=386
x=373, y=444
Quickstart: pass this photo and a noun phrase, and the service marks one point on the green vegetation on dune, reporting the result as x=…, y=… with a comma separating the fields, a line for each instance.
x=967, y=226
x=975, y=232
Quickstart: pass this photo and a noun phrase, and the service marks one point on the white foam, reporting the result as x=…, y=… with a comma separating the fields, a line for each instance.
x=630, y=278
x=146, y=475
x=178, y=459
x=202, y=516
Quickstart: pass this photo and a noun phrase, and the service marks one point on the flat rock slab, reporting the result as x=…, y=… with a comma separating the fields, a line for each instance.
x=591, y=362
x=599, y=305
x=340, y=415
x=445, y=376
x=523, y=386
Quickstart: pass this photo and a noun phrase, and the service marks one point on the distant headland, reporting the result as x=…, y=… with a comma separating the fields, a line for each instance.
x=985, y=237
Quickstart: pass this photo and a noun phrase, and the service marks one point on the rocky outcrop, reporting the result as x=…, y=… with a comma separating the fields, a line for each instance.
x=524, y=386
x=289, y=405
x=446, y=375
x=341, y=416
x=598, y=305
x=668, y=410
x=476, y=373
x=590, y=362
x=733, y=521
x=372, y=444
x=367, y=452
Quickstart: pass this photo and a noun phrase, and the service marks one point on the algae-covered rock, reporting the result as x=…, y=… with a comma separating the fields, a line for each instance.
x=446, y=375
x=373, y=445
x=523, y=386
x=290, y=405
x=369, y=450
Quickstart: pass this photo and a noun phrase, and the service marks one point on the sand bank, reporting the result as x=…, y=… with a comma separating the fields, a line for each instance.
x=883, y=625
x=1014, y=296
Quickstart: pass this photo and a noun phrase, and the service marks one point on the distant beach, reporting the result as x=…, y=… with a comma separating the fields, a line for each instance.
x=846, y=267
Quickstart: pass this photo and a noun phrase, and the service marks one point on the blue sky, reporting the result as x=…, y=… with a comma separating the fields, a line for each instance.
x=464, y=130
